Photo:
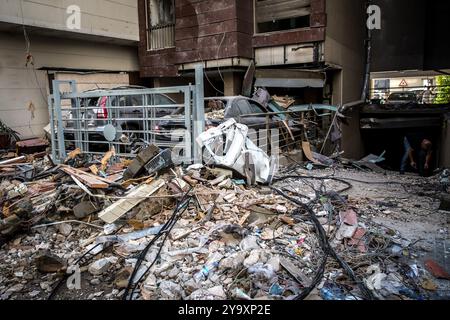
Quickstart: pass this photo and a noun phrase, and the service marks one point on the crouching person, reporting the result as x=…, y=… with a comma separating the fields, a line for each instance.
x=418, y=153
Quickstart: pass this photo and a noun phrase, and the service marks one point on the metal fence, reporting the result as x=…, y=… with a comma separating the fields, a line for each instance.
x=417, y=94
x=98, y=120
x=280, y=132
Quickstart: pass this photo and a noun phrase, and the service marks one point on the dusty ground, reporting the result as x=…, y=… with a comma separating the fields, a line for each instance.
x=403, y=204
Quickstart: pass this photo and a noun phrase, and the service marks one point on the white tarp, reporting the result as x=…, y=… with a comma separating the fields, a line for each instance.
x=237, y=147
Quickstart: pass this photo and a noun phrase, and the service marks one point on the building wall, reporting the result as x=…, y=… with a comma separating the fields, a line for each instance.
x=20, y=85
x=411, y=36
x=345, y=49
x=114, y=19
x=209, y=30
x=205, y=30
x=316, y=32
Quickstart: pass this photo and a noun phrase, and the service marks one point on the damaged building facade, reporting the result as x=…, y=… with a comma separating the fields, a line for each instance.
x=37, y=46
x=312, y=50
x=161, y=193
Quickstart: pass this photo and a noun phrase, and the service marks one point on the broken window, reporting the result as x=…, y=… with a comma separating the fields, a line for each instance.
x=160, y=24
x=278, y=15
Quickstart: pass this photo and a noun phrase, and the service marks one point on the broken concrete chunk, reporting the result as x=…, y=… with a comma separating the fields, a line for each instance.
x=274, y=262
x=201, y=294
x=65, y=229
x=233, y=261
x=218, y=292
x=230, y=197
x=16, y=288
x=348, y=217
x=101, y=266
x=173, y=273
x=249, y=243
x=252, y=259
x=445, y=202
x=50, y=263
x=171, y=290
x=218, y=180
x=122, y=277
x=220, y=172
x=19, y=190
x=149, y=288
x=346, y=231
x=84, y=209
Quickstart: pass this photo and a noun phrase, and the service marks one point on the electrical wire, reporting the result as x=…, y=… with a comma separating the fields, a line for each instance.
x=207, y=78
x=61, y=281
x=217, y=56
x=165, y=230
x=327, y=248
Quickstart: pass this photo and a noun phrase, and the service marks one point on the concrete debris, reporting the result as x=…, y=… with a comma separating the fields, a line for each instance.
x=101, y=266
x=84, y=209
x=154, y=231
x=50, y=263
x=65, y=229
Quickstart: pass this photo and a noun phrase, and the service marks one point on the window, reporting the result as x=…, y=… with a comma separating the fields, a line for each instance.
x=238, y=107
x=256, y=108
x=278, y=15
x=160, y=24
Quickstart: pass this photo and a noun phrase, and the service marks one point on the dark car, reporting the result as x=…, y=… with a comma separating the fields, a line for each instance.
x=219, y=109
x=402, y=98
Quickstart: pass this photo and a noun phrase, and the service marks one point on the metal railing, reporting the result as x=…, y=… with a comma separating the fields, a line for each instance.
x=124, y=119
x=283, y=131
x=419, y=94
x=161, y=36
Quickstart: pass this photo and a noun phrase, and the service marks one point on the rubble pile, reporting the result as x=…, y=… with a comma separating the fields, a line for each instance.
x=111, y=228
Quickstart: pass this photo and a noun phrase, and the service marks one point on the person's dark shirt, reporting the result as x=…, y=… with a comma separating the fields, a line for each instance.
x=415, y=141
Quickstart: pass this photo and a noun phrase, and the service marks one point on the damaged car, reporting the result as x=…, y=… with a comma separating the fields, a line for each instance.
x=218, y=110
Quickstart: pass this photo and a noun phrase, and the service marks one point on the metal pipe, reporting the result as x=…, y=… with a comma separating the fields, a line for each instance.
x=349, y=105
x=365, y=89
x=199, y=112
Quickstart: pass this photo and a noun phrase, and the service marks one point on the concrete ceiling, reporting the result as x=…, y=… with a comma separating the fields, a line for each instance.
x=18, y=29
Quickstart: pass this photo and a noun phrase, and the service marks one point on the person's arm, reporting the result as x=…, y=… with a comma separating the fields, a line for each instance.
x=427, y=160
x=411, y=158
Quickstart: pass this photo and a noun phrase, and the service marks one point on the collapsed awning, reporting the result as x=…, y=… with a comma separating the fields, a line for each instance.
x=288, y=78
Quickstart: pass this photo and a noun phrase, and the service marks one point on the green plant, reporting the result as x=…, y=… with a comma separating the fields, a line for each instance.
x=443, y=90
x=4, y=129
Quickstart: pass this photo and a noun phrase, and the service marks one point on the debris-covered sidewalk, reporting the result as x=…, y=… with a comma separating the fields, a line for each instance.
x=111, y=228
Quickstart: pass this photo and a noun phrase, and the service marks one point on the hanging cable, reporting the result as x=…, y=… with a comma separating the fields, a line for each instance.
x=328, y=249
x=165, y=230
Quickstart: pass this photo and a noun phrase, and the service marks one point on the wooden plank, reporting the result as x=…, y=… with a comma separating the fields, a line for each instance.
x=307, y=152
x=14, y=160
x=136, y=196
x=89, y=179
